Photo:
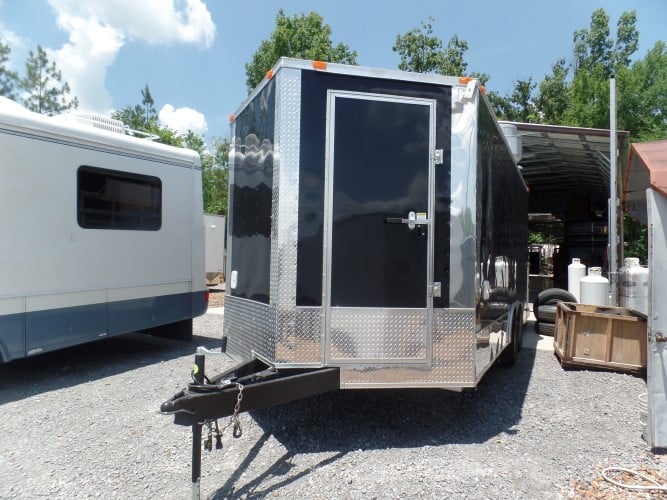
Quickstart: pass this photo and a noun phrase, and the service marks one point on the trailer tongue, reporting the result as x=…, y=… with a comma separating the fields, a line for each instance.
x=248, y=386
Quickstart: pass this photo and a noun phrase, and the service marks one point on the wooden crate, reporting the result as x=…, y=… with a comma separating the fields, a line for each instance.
x=600, y=336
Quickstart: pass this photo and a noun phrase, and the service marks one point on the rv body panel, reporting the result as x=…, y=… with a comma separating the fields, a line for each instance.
x=103, y=233
x=358, y=220
x=214, y=237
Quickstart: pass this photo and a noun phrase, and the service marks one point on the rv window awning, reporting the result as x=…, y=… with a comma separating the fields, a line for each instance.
x=567, y=168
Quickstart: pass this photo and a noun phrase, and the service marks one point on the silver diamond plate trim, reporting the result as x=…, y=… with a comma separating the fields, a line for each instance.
x=378, y=335
x=284, y=226
x=453, y=363
x=249, y=326
x=301, y=342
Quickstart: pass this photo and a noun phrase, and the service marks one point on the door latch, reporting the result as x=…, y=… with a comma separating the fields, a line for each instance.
x=414, y=219
x=438, y=157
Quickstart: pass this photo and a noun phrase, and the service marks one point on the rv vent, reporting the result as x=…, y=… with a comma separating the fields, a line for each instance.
x=98, y=121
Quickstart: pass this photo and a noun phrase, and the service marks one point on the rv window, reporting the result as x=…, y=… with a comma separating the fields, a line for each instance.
x=108, y=199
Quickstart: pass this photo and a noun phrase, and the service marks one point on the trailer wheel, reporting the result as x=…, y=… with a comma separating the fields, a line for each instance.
x=551, y=296
x=179, y=330
x=546, y=314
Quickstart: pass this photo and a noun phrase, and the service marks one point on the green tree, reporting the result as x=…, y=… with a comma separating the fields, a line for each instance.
x=215, y=177
x=46, y=93
x=642, y=100
x=144, y=118
x=301, y=36
x=421, y=51
x=215, y=171
x=8, y=78
x=519, y=105
x=552, y=99
x=641, y=92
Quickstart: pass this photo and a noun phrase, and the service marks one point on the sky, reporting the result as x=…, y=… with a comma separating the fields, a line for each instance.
x=192, y=53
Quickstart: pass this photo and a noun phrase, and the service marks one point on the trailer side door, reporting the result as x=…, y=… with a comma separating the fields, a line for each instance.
x=378, y=237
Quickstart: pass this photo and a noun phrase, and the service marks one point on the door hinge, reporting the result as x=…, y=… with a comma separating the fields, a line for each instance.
x=435, y=290
x=438, y=157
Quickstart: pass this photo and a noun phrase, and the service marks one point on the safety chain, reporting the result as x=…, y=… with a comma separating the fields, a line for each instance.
x=238, y=431
x=233, y=420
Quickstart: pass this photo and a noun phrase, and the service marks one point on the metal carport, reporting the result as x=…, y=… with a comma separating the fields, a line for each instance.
x=567, y=170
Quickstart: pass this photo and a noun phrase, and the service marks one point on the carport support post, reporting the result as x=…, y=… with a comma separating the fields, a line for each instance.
x=613, y=196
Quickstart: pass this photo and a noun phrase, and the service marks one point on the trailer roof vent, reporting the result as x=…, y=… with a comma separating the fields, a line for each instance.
x=104, y=123
x=513, y=139
x=96, y=121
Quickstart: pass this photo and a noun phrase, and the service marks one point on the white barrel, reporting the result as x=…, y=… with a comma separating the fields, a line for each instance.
x=634, y=286
x=595, y=288
x=575, y=272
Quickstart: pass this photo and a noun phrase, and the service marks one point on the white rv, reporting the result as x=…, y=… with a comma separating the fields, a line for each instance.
x=101, y=233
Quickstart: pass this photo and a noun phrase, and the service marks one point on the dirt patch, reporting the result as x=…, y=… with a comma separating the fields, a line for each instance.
x=216, y=298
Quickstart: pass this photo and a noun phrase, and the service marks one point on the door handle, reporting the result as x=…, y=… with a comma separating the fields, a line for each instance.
x=412, y=220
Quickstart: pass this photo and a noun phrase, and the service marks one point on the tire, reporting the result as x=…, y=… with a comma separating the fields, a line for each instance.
x=551, y=296
x=547, y=329
x=546, y=314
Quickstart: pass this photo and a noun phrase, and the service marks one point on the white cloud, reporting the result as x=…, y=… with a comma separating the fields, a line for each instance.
x=16, y=44
x=183, y=119
x=84, y=60
x=98, y=29
x=153, y=21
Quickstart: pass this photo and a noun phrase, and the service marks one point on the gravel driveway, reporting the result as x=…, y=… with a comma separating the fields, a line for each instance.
x=84, y=423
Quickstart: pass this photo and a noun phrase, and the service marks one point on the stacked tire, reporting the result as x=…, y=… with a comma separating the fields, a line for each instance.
x=544, y=309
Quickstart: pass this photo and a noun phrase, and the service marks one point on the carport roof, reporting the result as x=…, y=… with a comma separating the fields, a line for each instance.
x=561, y=164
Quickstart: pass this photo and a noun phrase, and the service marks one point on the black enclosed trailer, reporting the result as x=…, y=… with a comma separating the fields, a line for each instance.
x=377, y=238
x=377, y=223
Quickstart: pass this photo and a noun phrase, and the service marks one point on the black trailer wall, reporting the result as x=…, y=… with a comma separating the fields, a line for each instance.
x=251, y=197
x=314, y=88
x=502, y=213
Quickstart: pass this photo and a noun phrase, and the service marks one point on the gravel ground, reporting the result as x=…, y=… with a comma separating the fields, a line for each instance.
x=84, y=423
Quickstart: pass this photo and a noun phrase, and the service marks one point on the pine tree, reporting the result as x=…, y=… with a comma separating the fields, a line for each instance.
x=8, y=78
x=46, y=92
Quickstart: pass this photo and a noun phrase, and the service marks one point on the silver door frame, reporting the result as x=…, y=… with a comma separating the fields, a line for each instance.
x=327, y=236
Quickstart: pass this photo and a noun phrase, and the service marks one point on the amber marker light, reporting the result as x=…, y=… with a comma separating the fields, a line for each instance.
x=231, y=118
x=465, y=80
x=321, y=65
x=269, y=74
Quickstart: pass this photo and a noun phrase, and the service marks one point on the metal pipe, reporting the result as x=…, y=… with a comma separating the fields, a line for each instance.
x=196, y=461
x=613, y=196
x=198, y=374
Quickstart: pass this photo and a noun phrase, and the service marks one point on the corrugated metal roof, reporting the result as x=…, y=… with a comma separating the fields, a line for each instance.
x=565, y=167
x=647, y=167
